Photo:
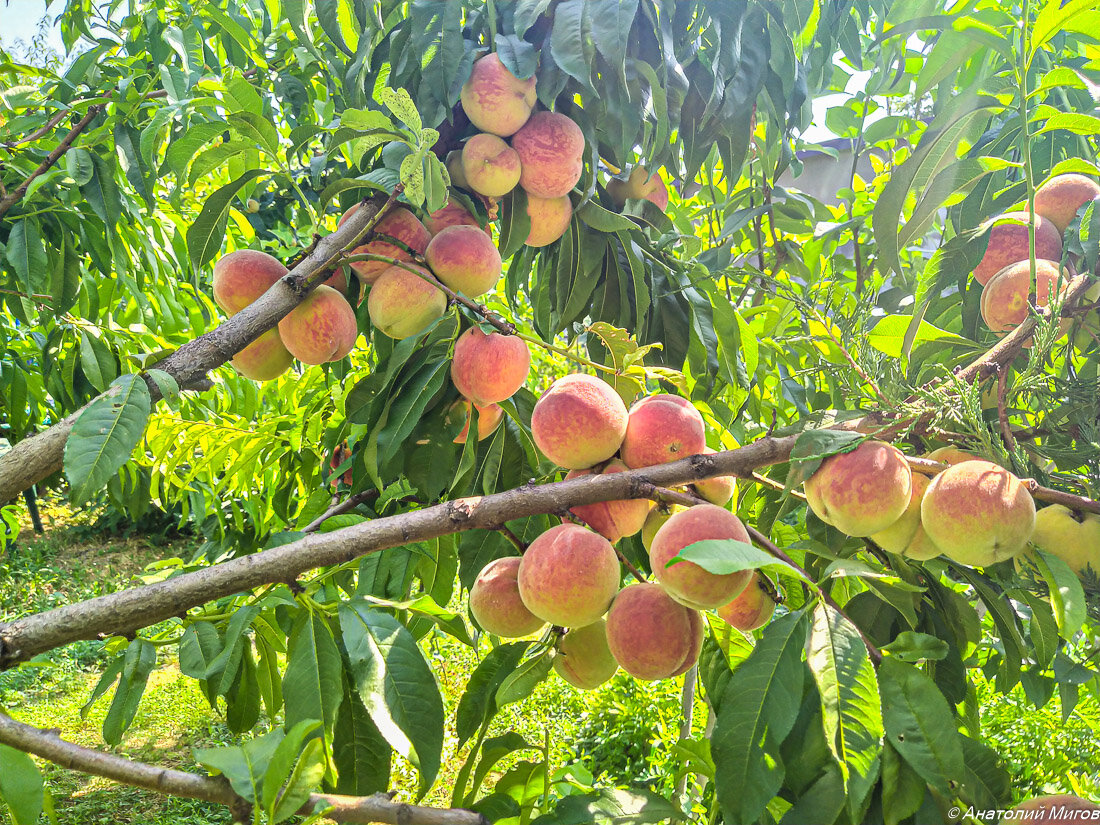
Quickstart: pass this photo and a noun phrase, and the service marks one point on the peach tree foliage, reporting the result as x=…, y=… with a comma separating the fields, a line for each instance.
x=222, y=126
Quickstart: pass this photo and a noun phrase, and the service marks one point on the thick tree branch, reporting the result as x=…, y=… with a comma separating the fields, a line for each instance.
x=127, y=611
x=33, y=459
x=50, y=746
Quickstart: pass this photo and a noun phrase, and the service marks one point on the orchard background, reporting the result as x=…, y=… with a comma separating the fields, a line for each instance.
x=335, y=519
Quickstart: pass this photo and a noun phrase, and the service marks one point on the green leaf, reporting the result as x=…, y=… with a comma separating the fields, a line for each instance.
x=515, y=223
x=401, y=104
x=256, y=129
x=526, y=13
x=814, y=446
x=1075, y=122
x=518, y=56
x=104, y=435
x=758, y=708
x=409, y=406
x=1067, y=596
x=284, y=759
x=722, y=556
x=205, y=235
x=570, y=39
x=612, y=806
x=1056, y=16
x=611, y=21
x=242, y=765
x=919, y=724
x=604, y=220
x=137, y=664
x=27, y=255
x=478, y=703
x=338, y=21
x=304, y=779
x=21, y=786
x=312, y=682
x=850, y=707
x=902, y=789
x=1043, y=629
x=361, y=755
x=396, y=685
x=97, y=361
x=521, y=682
x=889, y=334
x=985, y=782
x=910, y=646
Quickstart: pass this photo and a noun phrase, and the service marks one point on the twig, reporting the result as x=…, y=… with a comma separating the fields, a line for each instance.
x=1002, y=412
x=634, y=571
x=512, y=537
x=350, y=503
x=50, y=746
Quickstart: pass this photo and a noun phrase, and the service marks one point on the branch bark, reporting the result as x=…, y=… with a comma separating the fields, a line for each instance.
x=127, y=611
x=50, y=746
x=35, y=458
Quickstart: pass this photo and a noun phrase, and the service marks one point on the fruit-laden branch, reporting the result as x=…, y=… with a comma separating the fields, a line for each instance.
x=35, y=458
x=127, y=611
x=50, y=746
x=9, y=200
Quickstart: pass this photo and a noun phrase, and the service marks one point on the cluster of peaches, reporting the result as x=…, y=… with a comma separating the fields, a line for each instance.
x=570, y=576
x=1005, y=270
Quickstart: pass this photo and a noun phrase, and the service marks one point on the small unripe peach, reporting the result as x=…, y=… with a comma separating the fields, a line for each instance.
x=655, y=520
x=495, y=602
x=863, y=491
x=549, y=219
x=488, y=369
x=583, y=658
x=1059, y=198
x=1008, y=243
x=662, y=428
x=320, y=329
x=569, y=575
x=488, y=418
x=551, y=153
x=650, y=635
x=751, y=609
x=978, y=513
x=1006, y=297
x=263, y=359
x=685, y=581
x=578, y=422
x=243, y=276
x=252, y=206
x=494, y=99
x=719, y=490
x=465, y=259
x=612, y=519
x=950, y=455
x=402, y=303
x=491, y=167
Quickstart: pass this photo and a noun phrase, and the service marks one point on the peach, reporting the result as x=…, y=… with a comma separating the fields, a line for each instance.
x=569, y=575
x=662, y=428
x=396, y=235
x=612, y=519
x=1059, y=198
x=1006, y=296
x=578, y=422
x=719, y=490
x=863, y=491
x=950, y=455
x=495, y=100
x=659, y=195
x=454, y=169
x=339, y=456
x=650, y=635
x=320, y=329
x=451, y=214
x=978, y=513
x=920, y=547
x=1008, y=244
x=495, y=602
x=583, y=658
x=465, y=259
x=551, y=153
x=685, y=581
x=402, y=303
x=656, y=519
x=265, y=358
x=243, y=276
x=338, y=280
x=489, y=368
x=491, y=167
x=488, y=417
x=549, y=219
x=1054, y=810
x=637, y=185
x=697, y=630
x=752, y=609
x=897, y=536
x=1073, y=537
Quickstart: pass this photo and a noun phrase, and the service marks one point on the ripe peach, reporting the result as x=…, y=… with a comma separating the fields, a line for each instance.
x=639, y=184
x=1008, y=244
x=549, y=219
x=1005, y=298
x=578, y=422
x=752, y=609
x=719, y=490
x=950, y=455
x=650, y=635
x=569, y=575
x=265, y=358
x=1059, y=198
x=465, y=259
x=978, y=513
x=897, y=536
x=656, y=519
x=612, y=519
x=396, y=227
x=451, y=214
x=685, y=581
x=495, y=602
x=338, y=280
x=454, y=169
x=1055, y=809
x=402, y=303
x=920, y=547
x=697, y=630
x=863, y=491
x=488, y=417
x=551, y=153
x=583, y=658
x=491, y=167
x=243, y=276
x=1073, y=537
x=320, y=329
x=659, y=195
x=495, y=100
x=662, y=428
x=489, y=368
